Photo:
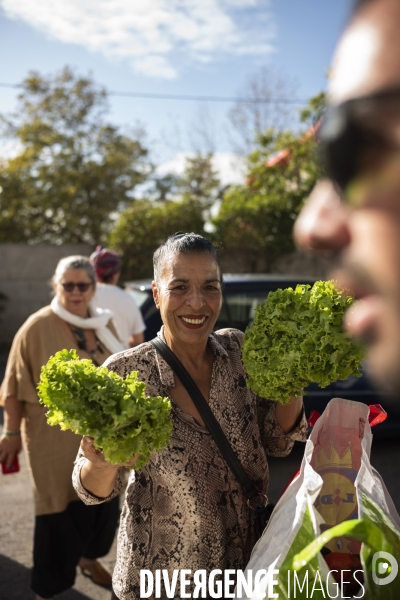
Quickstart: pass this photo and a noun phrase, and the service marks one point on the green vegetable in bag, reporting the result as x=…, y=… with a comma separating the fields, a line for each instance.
x=377, y=541
x=96, y=402
x=380, y=538
x=297, y=339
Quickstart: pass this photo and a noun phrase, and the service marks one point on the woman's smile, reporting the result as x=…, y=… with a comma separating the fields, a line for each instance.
x=193, y=321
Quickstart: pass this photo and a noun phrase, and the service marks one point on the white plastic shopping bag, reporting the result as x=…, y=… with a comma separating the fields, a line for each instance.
x=335, y=532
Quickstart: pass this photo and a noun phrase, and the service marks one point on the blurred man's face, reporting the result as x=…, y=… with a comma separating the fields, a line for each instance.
x=361, y=221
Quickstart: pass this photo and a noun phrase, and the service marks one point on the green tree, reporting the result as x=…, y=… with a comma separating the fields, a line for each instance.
x=180, y=203
x=72, y=171
x=145, y=225
x=315, y=110
x=199, y=180
x=255, y=220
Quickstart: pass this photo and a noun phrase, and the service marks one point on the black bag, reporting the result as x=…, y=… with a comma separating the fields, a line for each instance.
x=262, y=515
x=256, y=500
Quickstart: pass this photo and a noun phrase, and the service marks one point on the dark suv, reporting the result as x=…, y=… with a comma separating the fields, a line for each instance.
x=241, y=295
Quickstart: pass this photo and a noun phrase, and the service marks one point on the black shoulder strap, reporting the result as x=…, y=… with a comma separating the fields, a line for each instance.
x=249, y=489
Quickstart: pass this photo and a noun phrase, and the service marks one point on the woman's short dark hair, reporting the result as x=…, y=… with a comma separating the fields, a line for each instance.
x=183, y=243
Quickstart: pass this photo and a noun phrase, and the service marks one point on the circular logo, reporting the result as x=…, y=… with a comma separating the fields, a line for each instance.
x=384, y=568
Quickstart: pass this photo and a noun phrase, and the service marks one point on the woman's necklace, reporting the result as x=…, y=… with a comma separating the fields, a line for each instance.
x=81, y=341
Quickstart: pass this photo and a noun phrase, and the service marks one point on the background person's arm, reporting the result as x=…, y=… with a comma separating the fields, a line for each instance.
x=11, y=445
x=136, y=323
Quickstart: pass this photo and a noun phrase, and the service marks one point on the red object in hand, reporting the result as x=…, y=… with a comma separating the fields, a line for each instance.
x=14, y=467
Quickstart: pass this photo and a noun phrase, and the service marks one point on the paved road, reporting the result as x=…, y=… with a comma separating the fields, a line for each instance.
x=16, y=520
x=16, y=533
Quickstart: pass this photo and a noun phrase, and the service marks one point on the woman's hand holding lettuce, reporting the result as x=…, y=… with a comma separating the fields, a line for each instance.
x=297, y=339
x=96, y=402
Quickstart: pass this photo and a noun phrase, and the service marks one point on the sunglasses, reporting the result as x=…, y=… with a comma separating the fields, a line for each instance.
x=358, y=134
x=82, y=287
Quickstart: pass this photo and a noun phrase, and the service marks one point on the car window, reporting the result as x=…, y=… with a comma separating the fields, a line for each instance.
x=238, y=308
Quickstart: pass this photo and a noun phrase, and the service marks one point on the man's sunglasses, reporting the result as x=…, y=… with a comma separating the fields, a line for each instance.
x=358, y=133
x=82, y=287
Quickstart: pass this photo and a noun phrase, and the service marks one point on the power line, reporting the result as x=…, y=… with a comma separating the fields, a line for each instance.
x=209, y=98
x=191, y=98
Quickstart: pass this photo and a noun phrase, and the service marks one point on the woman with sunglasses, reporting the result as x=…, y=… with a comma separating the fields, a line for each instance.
x=67, y=533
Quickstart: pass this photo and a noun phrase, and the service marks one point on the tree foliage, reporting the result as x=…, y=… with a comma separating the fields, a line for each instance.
x=315, y=110
x=255, y=220
x=73, y=176
x=199, y=180
x=72, y=170
x=147, y=224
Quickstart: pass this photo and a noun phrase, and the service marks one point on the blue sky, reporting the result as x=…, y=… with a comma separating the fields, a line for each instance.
x=197, y=47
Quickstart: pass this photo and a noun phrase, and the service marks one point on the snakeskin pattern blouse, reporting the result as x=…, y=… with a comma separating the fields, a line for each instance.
x=185, y=509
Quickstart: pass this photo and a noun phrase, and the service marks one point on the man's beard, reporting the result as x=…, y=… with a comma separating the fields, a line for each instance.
x=384, y=372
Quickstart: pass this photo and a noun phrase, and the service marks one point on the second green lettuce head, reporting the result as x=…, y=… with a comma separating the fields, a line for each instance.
x=297, y=338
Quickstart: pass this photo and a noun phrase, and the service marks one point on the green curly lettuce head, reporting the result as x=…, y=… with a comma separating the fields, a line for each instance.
x=96, y=402
x=297, y=339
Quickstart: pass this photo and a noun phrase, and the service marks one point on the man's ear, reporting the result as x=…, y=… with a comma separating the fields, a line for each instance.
x=155, y=293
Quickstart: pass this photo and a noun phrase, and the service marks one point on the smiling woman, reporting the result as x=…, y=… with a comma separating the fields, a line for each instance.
x=185, y=509
x=188, y=291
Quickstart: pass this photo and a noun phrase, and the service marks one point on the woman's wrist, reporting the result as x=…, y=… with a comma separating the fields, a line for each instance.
x=12, y=414
x=7, y=433
x=99, y=470
x=289, y=415
x=98, y=480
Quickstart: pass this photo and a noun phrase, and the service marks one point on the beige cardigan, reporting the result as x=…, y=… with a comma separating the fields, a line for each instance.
x=50, y=451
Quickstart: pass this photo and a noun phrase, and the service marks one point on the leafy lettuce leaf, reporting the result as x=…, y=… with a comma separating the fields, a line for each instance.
x=96, y=402
x=297, y=339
